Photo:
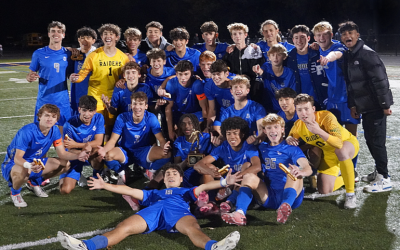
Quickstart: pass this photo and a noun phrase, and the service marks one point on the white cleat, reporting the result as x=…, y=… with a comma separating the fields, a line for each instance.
x=69, y=242
x=37, y=190
x=228, y=243
x=18, y=201
x=351, y=202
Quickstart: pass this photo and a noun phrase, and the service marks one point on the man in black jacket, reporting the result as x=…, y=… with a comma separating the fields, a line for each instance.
x=369, y=95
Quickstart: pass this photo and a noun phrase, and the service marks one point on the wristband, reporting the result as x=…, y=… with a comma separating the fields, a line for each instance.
x=27, y=165
x=223, y=183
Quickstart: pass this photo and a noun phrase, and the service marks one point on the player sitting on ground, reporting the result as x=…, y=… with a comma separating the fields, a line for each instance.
x=168, y=210
x=121, y=98
x=32, y=143
x=276, y=190
x=321, y=129
x=210, y=34
x=87, y=127
x=133, y=37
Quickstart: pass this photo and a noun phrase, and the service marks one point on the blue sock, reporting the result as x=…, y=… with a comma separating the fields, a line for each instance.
x=355, y=161
x=16, y=191
x=36, y=181
x=244, y=199
x=114, y=165
x=209, y=244
x=233, y=197
x=97, y=242
x=289, y=195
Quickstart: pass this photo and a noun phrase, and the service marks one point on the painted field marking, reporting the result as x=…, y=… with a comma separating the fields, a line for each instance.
x=18, y=116
x=22, y=98
x=7, y=72
x=18, y=80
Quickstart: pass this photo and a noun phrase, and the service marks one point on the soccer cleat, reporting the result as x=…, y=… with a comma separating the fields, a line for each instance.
x=223, y=193
x=369, y=177
x=228, y=243
x=69, y=242
x=202, y=200
x=236, y=218
x=283, y=212
x=134, y=203
x=225, y=207
x=149, y=174
x=351, y=202
x=37, y=190
x=209, y=209
x=18, y=201
x=45, y=182
x=380, y=184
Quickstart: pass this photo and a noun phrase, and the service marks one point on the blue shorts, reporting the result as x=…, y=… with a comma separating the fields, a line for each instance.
x=140, y=156
x=75, y=170
x=159, y=217
x=65, y=114
x=275, y=197
x=6, y=171
x=342, y=113
x=191, y=178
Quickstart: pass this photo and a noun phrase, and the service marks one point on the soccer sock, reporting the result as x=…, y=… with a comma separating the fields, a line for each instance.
x=97, y=242
x=347, y=169
x=233, y=197
x=36, y=181
x=338, y=183
x=15, y=191
x=244, y=199
x=209, y=244
x=289, y=195
x=114, y=165
x=355, y=159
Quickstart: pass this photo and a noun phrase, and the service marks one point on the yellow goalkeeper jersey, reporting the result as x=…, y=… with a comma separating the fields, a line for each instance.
x=328, y=122
x=105, y=73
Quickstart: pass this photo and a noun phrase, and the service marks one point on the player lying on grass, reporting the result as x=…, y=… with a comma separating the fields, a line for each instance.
x=339, y=146
x=276, y=190
x=167, y=209
x=31, y=143
x=87, y=127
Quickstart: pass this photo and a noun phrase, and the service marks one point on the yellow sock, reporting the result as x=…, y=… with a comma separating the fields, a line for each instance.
x=338, y=183
x=347, y=169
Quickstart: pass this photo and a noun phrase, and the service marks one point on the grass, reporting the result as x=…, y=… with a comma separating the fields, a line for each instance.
x=318, y=224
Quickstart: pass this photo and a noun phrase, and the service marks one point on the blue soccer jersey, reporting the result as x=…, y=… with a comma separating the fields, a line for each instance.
x=82, y=133
x=235, y=159
x=140, y=58
x=271, y=156
x=336, y=86
x=222, y=97
x=31, y=140
x=265, y=48
x=251, y=113
x=219, y=51
x=136, y=135
x=273, y=83
x=182, y=147
x=191, y=55
x=121, y=98
x=288, y=123
x=305, y=78
x=155, y=82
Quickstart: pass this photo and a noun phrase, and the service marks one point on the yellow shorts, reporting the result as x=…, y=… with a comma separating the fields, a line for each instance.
x=109, y=119
x=330, y=164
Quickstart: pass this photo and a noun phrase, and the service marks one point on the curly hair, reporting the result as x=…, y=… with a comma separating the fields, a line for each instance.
x=110, y=27
x=235, y=122
x=193, y=118
x=156, y=53
x=179, y=33
x=86, y=31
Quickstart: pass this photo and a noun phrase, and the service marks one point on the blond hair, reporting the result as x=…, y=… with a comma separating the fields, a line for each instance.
x=322, y=26
x=272, y=119
x=277, y=48
x=132, y=33
x=240, y=79
x=238, y=26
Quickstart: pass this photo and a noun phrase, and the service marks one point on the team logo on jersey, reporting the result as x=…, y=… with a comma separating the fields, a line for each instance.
x=39, y=152
x=87, y=139
x=279, y=153
x=65, y=58
x=94, y=128
x=168, y=192
x=248, y=116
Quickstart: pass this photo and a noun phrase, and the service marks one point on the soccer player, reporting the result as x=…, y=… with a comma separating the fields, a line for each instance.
x=310, y=75
x=168, y=210
x=206, y=59
x=121, y=98
x=87, y=127
x=276, y=190
x=180, y=38
x=86, y=38
x=154, y=38
x=187, y=96
x=275, y=77
x=251, y=111
x=243, y=58
x=30, y=143
x=339, y=146
x=330, y=53
x=133, y=37
x=285, y=97
x=235, y=152
x=218, y=92
x=106, y=64
x=50, y=65
x=210, y=34
x=369, y=94
x=270, y=32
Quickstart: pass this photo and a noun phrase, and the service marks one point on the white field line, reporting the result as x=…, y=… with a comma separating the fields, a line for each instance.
x=23, y=98
x=20, y=88
x=16, y=62
x=18, y=116
x=7, y=72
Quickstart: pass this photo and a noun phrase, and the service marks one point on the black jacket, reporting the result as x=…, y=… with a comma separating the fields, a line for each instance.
x=366, y=79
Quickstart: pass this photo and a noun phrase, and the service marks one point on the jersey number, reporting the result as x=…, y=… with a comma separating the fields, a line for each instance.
x=320, y=144
x=110, y=73
x=57, y=67
x=270, y=163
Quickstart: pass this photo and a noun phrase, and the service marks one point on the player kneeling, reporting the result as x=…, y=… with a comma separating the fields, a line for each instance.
x=168, y=209
x=275, y=191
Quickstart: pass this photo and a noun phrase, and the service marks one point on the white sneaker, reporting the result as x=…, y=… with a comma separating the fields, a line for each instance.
x=380, y=184
x=37, y=190
x=369, y=177
x=18, y=201
x=82, y=181
x=69, y=242
x=351, y=202
x=228, y=243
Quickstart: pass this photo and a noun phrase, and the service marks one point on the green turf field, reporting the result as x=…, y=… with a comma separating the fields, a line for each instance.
x=319, y=223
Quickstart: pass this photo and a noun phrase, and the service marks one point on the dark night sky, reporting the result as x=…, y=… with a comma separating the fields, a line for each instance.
x=21, y=16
